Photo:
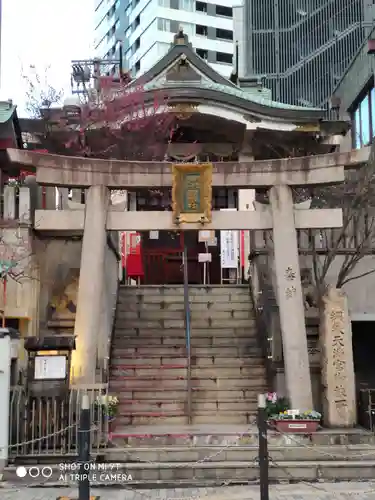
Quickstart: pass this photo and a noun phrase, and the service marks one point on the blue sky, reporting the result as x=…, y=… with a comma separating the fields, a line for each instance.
x=43, y=33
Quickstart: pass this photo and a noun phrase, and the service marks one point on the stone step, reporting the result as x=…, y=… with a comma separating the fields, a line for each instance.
x=179, y=299
x=179, y=324
x=173, y=419
x=179, y=290
x=200, y=362
x=238, y=435
x=197, y=372
x=166, y=315
x=244, y=471
x=158, y=333
x=237, y=453
x=181, y=395
x=206, y=474
x=180, y=384
x=248, y=347
x=133, y=406
x=179, y=352
x=125, y=306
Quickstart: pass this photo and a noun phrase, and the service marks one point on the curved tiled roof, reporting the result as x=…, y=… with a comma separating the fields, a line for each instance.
x=230, y=90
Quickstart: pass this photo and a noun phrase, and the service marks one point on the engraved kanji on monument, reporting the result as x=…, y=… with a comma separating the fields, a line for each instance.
x=339, y=408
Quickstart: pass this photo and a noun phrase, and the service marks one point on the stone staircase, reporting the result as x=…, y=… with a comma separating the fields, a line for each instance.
x=209, y=455
x=213, y=455
x=149, y=362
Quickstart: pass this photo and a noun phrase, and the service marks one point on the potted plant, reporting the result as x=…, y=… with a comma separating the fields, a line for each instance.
x=298, y=422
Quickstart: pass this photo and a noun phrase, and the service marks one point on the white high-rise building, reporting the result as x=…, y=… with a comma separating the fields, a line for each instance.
x=145, y=28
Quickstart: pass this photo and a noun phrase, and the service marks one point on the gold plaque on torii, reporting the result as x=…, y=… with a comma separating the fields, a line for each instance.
x=308, y=127
x=192, y=193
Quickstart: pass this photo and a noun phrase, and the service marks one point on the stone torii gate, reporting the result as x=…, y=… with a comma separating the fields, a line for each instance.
x=99, y=176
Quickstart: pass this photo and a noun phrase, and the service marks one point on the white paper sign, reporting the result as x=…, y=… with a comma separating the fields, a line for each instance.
x=204, y=257
x=204, y=236
x=229, y=247
x=50, y=367
x=154, y=235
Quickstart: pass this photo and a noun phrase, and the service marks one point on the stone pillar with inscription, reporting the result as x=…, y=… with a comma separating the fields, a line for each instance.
x=290, y=299
x=339, y=402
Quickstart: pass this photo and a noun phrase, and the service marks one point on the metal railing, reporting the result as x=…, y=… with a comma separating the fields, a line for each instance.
x=187, y=314
x=366, y=408
x=48, y=426
x=262, y=298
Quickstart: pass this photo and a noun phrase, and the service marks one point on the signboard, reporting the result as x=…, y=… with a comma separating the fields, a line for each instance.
x=204, y=257
x=154, y=235
x=192, y=193
x=229, y=243
x=229, y=249
x=50, y=367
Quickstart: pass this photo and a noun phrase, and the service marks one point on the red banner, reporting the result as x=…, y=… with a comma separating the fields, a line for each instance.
x=134, y=264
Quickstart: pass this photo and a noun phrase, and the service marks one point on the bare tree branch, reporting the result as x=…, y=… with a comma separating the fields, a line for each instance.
x=352, y=278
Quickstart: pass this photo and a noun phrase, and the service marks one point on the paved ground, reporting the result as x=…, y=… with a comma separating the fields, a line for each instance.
x=320, y=491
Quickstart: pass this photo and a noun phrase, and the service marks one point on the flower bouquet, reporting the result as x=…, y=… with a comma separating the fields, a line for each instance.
x=108, y=405
x=275, y=404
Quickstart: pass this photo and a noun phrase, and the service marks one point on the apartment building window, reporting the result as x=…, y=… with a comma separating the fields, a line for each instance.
x=173, y=26
x=164, y=24
x=202, y=53
x=363, y=118
x=201, y=7
x=128, y=32
x=165, y=3
x=224, y=34
x=137, y=22
x=223, y=57
x=187, y=5
x=136, y=45
x=128, y=10
x=224, y=11
x=137, y=66
x=187, y=27
x=201, y=30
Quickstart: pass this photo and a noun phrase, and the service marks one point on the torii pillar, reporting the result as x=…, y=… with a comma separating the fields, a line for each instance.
x=290, y=299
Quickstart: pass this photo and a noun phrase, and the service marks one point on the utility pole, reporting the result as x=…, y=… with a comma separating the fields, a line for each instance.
x=84, y=450
x=263, y=448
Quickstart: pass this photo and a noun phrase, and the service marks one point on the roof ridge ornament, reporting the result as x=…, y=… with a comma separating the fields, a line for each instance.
x=181, y=38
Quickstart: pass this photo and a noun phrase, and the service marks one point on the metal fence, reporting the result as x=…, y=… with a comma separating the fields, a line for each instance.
x=48, y=426
x=366, y=408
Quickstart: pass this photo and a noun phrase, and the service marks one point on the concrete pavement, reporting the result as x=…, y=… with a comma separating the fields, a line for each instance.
x=318, y=491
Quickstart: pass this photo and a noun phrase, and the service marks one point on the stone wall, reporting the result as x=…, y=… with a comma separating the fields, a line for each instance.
x=59, y=261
